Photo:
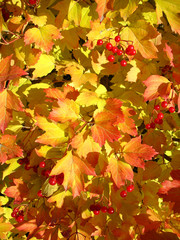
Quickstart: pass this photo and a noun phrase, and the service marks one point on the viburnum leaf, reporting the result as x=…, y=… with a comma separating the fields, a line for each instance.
x=103, y=6
x=64, y=4
x=42, y=37
x=103, y=128
x=58, y=197
x=18, y=192
x=8, y=148
x=149, y=225
x=156, y=86
x=126, y=7
x=68, y=110
x=8, y=102
x=4, y=227
x=113, y=108
x=141, y=33
x=120, y=171
x=4, y=68
x=135, y=153
x=54, y=134
x=73, y=168
x=128, y=126
x=170, y=191
x=171, y=10
x=159, y=236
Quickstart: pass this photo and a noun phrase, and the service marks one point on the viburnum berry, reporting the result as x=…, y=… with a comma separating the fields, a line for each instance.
x=123, y=63
x=109, y=46
x=111, y=58
x=114, y=49
x=119, y=52
x=130, y=47
x=60, y=178
x=99, y=42
x=13, y=214
x=16, y=210
x=21, y=212
x=47, y=173
x=128, y=52
x=164, y=104
x=39, y=193
x=42, y=164
x=32, y=2
x=27, y=167
x=171, y=109
x=148, y=126
x=98, y=207
x=157, y=107
x=52, y=180
x=160, y=121
x=152, y=125
x=130, y=188
x=133, y=52
x=156, y=120
x=110, y=210
x=96, y=212
x=123, y=193
x=117, y=38
x=160, y=115
x=20, y=218
x=104, y=209
x=92, y=207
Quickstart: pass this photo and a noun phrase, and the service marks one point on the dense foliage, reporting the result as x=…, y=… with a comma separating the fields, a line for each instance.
x=89, y=119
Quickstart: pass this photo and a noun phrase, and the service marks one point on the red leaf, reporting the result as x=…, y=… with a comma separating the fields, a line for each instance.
x=103, y=129
x=159, y=236
x=135, y=153
x=113, y=107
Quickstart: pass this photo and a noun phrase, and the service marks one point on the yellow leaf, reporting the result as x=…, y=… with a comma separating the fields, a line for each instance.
x=74, y=13
x=44, y=66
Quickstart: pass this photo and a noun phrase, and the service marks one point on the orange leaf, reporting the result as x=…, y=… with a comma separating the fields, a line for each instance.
x=135, y=153
x=18, y=192
x=103, y=129
x=103, y=6
x=113, y=107
x=42, y=37
x=120, y=171
x=156, y=86
x=73, y=168
x=8, y=103
x=8, y=148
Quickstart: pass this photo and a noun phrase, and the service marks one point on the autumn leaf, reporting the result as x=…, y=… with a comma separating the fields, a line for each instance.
x=5, y=227
x=103, y=6
x=68, y=110
x=42, y=37
x=126, y=7
x=18, y=192
x=120, y=171
x=73, y=168
x=9, y=102
x=156, y=86
x=4, y=68
x=54, y=135
x=103, y=129
x=135, y=153
x=113, y=108
x=8, y=148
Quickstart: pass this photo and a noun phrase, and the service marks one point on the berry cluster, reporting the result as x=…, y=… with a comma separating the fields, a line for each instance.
x=96, y=208
x=129, y=188
x=118, y=49
x=18, y=215
x=160, y=115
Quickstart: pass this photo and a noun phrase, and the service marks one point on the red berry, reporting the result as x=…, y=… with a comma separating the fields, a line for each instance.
x=114, y=49
x=119, y=52
x=128, y=52
x=20, y=219
x=96, y=212
x=133, y=52
x=104, y=209
x=164, y=104
x=156, y=120
x=123, y=63
x=60, y=178
x=16, y=210
x=92, y=207
x=99, y=42
x=47, y=172
x=109, y=46
x=130, y=47
x=39, y=193
x=160, y=121
x=32, y=2
x=148, y=126
x=160, y=115
x=111, y=58
x=117, y=38
x=110, y=210
x=21, y=213
x=52, y=180
x=152, y=125
x=157, y=107
x=130, y=188
x=27, y=167
x=123, y=193
x=97, y=207
x=42, y=164
x=13, y=214
x=21, y=161
x=172, y=109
